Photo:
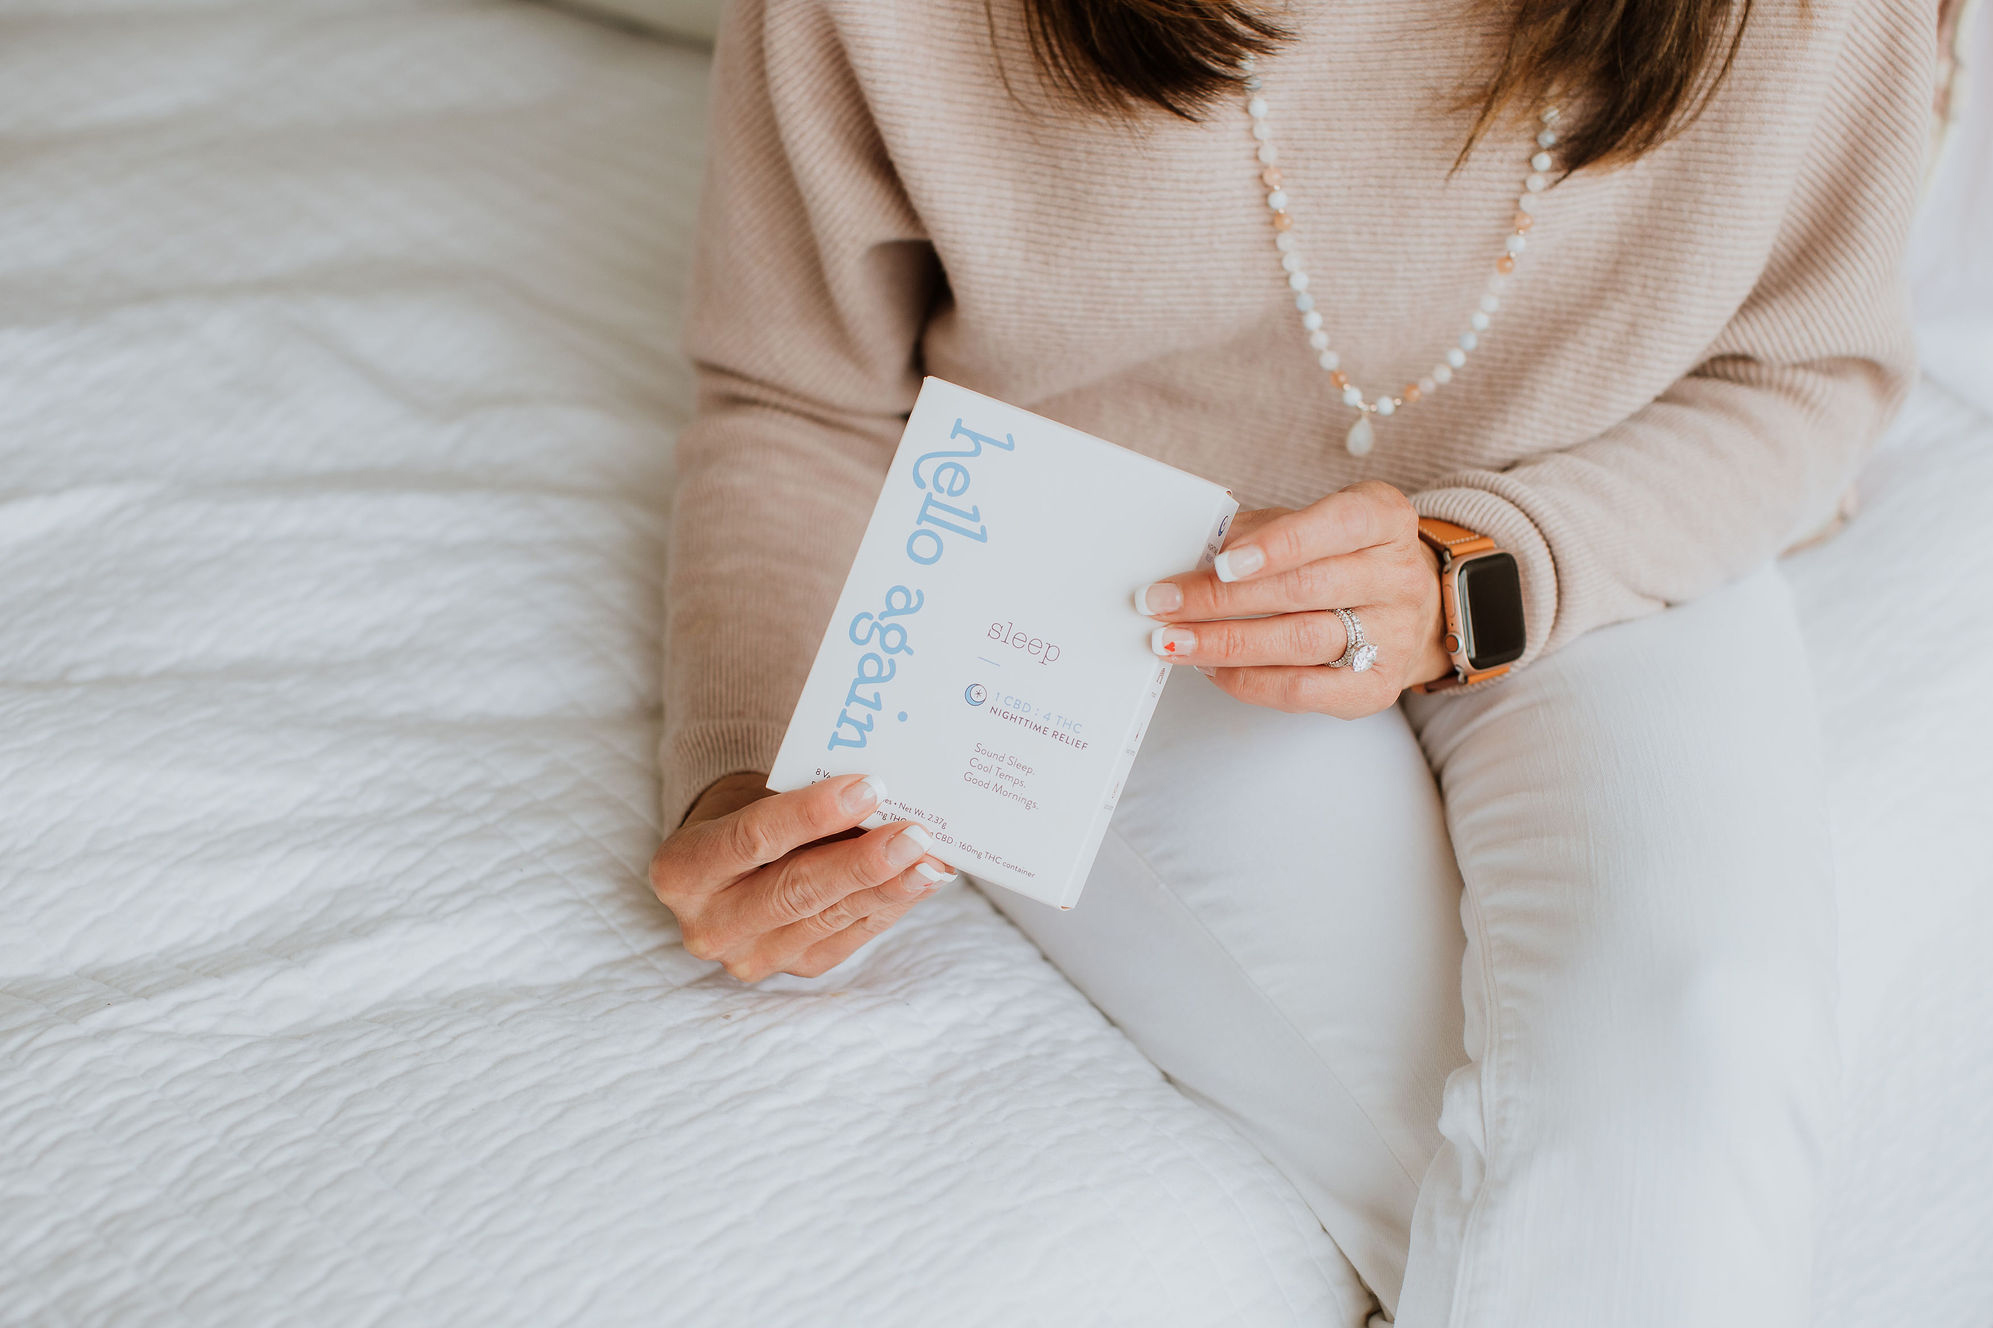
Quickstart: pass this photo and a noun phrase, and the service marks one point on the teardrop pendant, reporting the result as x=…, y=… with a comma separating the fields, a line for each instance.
x=1362, y=437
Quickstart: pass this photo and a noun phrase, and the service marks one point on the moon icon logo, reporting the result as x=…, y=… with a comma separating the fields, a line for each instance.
x=976, y=694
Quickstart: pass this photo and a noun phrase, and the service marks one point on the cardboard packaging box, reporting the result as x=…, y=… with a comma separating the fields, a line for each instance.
x=986, y=659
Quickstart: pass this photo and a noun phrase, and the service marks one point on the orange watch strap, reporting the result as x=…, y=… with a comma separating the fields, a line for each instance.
x=1448, y=538
x=1453, y=680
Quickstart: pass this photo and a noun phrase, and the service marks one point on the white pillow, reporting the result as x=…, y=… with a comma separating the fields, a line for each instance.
x=677, y=18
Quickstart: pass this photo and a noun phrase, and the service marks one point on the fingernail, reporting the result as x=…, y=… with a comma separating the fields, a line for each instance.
x=1235, y=563
x=908, y=845
x=1209, y=673
x=1171, y=641
x=929, y=879
x=1159, y=597
x=866, y=794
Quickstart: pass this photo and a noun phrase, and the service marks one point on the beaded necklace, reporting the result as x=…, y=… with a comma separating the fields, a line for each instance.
x=1362, y=434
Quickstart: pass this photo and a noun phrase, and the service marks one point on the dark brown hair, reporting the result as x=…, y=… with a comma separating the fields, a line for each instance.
x=1649, y=66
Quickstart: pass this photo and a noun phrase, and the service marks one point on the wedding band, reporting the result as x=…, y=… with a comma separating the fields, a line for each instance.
x=1359, y=654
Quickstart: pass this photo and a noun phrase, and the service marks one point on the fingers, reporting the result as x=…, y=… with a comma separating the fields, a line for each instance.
x=1237, y=643
x=1261, y=624
x=1339, y=692
x=827, y=954
x=762, y=832
x=1161, y=598
x=805, y=884
x=1359, y=517
x=1364, y=577
x=817, y=945
x=767, y=919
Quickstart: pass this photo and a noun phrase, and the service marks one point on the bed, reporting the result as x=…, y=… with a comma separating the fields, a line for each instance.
x=336, y=410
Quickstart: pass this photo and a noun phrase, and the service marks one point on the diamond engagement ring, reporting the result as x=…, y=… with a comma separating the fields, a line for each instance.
x=1359, y=654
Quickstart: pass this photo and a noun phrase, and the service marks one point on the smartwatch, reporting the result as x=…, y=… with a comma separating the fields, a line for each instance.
x=1480, y=590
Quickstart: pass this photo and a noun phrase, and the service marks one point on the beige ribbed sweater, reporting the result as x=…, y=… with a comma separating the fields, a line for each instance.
x=1692, y=357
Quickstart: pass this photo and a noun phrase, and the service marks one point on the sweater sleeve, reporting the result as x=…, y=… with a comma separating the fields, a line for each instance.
x=812, y=280
x=1744, y=454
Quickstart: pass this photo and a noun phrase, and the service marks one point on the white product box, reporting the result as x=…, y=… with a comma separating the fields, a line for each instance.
x=986, y=659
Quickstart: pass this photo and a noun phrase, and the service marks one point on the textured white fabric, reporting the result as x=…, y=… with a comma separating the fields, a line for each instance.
x=336, y=408
x=335, y=415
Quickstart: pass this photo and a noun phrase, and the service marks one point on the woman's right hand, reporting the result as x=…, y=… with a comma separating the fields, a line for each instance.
x=769, y=883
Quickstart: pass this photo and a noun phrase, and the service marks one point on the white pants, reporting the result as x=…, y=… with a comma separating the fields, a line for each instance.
x=1625, y=1129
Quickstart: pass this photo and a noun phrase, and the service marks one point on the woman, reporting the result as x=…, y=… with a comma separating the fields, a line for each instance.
x=1606, y=288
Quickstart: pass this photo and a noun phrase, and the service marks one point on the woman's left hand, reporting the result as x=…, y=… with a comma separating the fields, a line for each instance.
x=1265, y=630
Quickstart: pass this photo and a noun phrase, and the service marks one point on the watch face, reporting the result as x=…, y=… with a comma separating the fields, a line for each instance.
x=1491, y=610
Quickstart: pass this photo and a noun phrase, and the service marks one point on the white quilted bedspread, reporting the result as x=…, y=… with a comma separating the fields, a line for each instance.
x=336, y=405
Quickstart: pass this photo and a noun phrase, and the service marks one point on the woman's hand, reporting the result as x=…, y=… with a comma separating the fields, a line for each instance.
x=771, y=883
x=1264, y=633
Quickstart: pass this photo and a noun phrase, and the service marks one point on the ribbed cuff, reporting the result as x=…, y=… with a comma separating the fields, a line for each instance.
x=1488, y=514
x=692, y=758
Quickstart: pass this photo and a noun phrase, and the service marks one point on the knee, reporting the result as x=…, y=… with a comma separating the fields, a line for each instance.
x=1678, y=1033
x=1735, y=1036
x=1744, y=1007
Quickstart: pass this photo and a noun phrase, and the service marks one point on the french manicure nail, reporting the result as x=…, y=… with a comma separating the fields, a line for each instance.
x=908, y=845
x=1159, y=597
x=933, y=874
x=866, y=794
x=1209, y=673
x=1172, y=641
x=1240, y=562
